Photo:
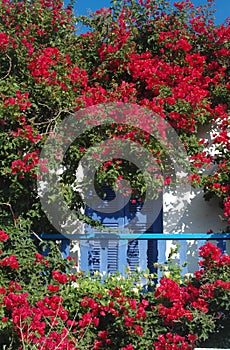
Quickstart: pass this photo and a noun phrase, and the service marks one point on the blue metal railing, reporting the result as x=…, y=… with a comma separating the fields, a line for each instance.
x=151, y=237
x=132, y=236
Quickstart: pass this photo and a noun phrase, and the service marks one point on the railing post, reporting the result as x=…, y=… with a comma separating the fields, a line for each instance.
x=65, y=248
x=222, y=245
x=152, y=251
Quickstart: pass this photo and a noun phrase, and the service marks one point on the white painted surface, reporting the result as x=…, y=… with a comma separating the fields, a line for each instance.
x=200, y=216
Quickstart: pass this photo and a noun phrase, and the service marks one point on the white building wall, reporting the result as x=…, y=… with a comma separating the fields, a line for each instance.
x=200, y=216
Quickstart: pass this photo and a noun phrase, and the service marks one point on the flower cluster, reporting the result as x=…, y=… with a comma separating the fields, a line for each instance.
x=20, y=101
x=3, y=236
x=175, y=342
x=26, y=165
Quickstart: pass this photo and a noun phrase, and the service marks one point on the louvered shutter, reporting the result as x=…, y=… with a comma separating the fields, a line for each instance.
x=140, y=252
x=102, y=255
x=136, y=250
x=112, y=262
x=111, y=255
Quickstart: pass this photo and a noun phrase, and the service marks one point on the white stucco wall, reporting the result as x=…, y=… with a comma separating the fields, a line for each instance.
x=200, y=216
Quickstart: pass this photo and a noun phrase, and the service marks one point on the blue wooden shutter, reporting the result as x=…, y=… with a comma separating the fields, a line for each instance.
x=111, y=255
x=112, y=262
x=149, y=222
x=137, y=249
x=102, y=255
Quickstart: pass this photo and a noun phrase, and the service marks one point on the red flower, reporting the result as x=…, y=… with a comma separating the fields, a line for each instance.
x=4, y=41
x=3, y=236
x=128, y=347
x=222, y=284
x=10, y=261
x=210, y=254
x=60, y=277
x=129, y=321
x=2, y=290
x=71, y=323
x=53, y=288
x=175, y=342
x=97, y=344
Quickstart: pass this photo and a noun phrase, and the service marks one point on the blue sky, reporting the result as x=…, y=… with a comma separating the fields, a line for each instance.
x=222, y=7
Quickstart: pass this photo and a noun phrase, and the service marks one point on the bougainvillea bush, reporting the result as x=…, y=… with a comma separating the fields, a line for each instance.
x=46, y=304
x=172, y=60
